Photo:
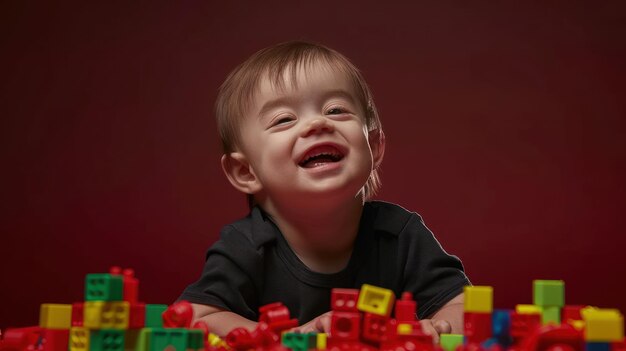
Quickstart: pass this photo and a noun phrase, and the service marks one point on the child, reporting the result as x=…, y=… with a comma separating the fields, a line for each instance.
x=302, y=138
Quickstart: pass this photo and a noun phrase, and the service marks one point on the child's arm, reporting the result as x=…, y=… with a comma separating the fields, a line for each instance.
x=449, y=319
x=219, y=321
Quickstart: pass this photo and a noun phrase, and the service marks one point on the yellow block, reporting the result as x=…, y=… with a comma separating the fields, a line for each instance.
x=478, y=299
x=79, y=339
x=528, y=309
x=55, y=316
x=106, y=315
x=375, y=300
x=321, y=341
x=405, y=329
x=216, y=341
x=603, y=325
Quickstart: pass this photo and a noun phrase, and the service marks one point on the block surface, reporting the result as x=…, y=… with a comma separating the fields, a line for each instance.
x=478, y=299
x=103, y=287
x=549, y=293
x=55, y=316
x=375, y=300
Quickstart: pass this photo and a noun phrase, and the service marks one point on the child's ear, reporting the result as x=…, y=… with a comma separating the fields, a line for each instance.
x=240, y=173
x=377, y=144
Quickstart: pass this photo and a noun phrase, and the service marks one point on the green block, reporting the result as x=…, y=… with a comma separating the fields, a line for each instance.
x=449, y=342
x=106, y=340
x=551, y=314
x=170, y=339
x=103, y=287
x=154, y=318
x=549, y=293
x=299, y=341
x=196, y=339
x=137, y=339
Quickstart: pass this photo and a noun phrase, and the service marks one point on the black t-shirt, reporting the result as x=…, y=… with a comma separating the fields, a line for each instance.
x=252, y=265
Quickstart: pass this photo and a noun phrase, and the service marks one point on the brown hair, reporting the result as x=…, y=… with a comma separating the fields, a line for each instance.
x=237, y=91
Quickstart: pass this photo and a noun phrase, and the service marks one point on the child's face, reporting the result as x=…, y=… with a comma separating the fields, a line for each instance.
x=311, y=140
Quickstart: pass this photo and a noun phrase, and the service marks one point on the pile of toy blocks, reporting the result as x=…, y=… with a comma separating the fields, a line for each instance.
x=112, y=319
x=543, y=325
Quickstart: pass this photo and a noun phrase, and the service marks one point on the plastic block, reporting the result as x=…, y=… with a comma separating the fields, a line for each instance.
x=321, y=341
x=137, y=315
x=597, y=346
x=551, y=314
x=106, y=315
x=449, y=342
x=299, y=341
x=173, y=339
x=216, y=341
x=103, y=287
x=55, y=339
x=375, y=300
x=154, y=317
x=79, y=339
x=78, y=313
x=130, y=290
x=524, y=324
x=106, y=340
x=501, y=327
x=374, y=328
x=19, y=339
x=478, y=299
x=477, y=326
x=276, y=316
x=527, y=309
x=603, y=325
x=406, y=308
x=571, y=312
x=178, y=315
x=344, y=299
x=345, y=326
x=55, y=316
x=549, y=293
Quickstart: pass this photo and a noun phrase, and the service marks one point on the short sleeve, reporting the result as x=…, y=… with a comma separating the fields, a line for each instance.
x=231, y=276
x=434, y=276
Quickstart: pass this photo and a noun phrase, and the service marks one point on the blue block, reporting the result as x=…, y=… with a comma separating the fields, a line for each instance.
x=501, y=327
x=598, y=346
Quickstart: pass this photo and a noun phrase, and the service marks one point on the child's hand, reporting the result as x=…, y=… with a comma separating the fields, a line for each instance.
x=435, y=327
x=320, y=324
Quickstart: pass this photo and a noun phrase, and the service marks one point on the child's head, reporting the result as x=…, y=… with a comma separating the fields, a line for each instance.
x=277, y=73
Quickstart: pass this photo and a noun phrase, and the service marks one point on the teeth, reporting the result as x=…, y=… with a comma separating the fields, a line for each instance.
x=326, y=151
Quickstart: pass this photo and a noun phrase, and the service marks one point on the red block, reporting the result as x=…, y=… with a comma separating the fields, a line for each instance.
x=345, y=325
x=77, y=314
x=477, y=326
x=571, y=312
x=344, y=300
x=553, y=338
x=374, y=328
x=277, y=317
x=178, y=315
x=523, y=324
x=405, y=308
x=55, y=339
x=130, y=283
x=137, y=318
x=21, y=339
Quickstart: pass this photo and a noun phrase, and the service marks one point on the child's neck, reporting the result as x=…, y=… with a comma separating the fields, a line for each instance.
x=321, y=236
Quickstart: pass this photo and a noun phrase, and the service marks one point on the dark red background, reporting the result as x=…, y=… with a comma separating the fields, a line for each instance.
x=505, y=126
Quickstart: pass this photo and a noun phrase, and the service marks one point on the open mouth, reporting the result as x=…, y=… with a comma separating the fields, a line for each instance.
x=320, y=156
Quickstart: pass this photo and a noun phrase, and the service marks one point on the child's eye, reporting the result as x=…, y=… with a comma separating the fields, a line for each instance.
x=336, y=111
x=282, y=120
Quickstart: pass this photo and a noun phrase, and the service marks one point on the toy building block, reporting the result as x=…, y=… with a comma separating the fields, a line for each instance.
x=178, y=315
x=406, y=308
x=55, y=316
x=19, y=339
x=523, y=324
x=375, y=300
x=477, y=326
x=450, y=342
x=549, y=293
x=571, y=312
x=345, y=325
x=137, y=339
x=603, y=325
x=551, y=314
x=597, y=346
x=216, y=341
x=55, y=339
x=527, y=309
x=501, y=327
x=175, y=339
x=552, y=337
x=106, y=340
x=478, y=299
x=154, y=317
x=374, y=328
x=344, y=299
x=137, y=315
x=130, y=290
x=321, y=341
x=299, y=341
x=277, y=317
x=79, y=339
x=103, y=287
x=78, y=313
x=106, y=315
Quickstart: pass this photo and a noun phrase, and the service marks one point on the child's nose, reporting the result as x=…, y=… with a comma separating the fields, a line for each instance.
x=318, y=125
